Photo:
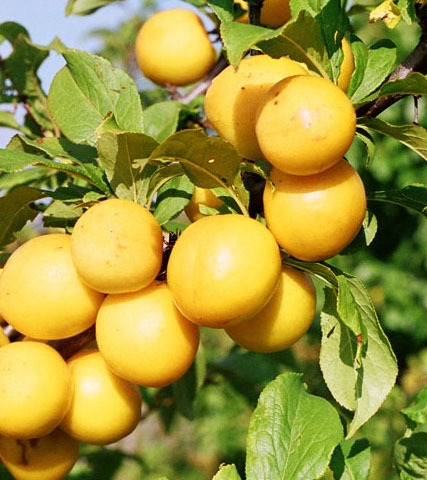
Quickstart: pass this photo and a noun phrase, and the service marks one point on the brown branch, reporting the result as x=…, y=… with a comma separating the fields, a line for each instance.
x=416, y=61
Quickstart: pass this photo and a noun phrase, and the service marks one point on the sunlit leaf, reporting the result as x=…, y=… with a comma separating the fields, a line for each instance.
x=292, y=433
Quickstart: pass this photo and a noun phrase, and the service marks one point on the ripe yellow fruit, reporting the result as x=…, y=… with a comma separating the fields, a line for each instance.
x=35, y=389
x=117, y=246
x=41, y=294
x=223, y=269
x=285, y=318
x=347, y=66
x=315, y=217
x=173, y=47
x=274, y=13
x=4, y=339
x=201, y=196
x=233, y=97
x=104, y=407
x=305, y=124
x=144, y=338
x=46, y=458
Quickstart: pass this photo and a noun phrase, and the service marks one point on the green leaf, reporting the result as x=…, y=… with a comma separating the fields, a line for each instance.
x=185, y=389
x=418, y=411
x=22, y=66
x=161, y=119
x=348, y=310
x=172, y=197
x=16, y=211
x=411, y=196
x=239, y=38
x=359, y=372
x=333, y=23
x=413, y=84
x=85, y=7
x=227, y=472
x=247, y=371
x=208, y=161
x=410, y=455
x=364, y=136
x=412, y=136
x=8, y=120
x=223, y=9
x=292, y=433
x=17, y=161
x=118, y=155
x=303, y=41
x=89, y=90
x=351, y=460
x=379, y=63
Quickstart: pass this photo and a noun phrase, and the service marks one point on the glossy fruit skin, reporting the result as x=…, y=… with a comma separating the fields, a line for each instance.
x=232, y=99
x=223, y=269
x=173, y=47
x=347, y=66
x=35, y=389
x=315, y=217
x=104, y=407
x=117, y=246
x=144, y=338
x=305, y=124
x=201, y=196
x=285, y=318
x=41, y=294
x=47, y=458
x=274, y=13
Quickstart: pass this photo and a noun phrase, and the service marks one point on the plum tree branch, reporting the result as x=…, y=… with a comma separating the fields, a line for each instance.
x=416, y=61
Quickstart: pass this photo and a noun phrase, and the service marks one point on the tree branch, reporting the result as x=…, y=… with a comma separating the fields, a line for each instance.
x=416, y=61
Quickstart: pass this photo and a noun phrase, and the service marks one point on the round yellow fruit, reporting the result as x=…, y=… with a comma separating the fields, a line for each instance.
x=117, y=246
x=285, y=318
x=35, y=389
x=347, y=66
x=233, y=97
x=305, y=124
x=274, y=13
x=4, y=339
x=201, y=196
x=104, y=407
x=144, y=338
x=173, y=47
x=46, y=458
x=315, y=217
x=41, y=294
x=223, y=269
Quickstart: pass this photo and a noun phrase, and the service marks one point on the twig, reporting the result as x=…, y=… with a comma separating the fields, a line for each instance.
x=416, y=61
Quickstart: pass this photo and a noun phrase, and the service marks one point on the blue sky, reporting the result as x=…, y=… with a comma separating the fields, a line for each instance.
x=45, y=20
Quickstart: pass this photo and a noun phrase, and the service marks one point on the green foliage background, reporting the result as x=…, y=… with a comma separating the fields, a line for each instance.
x=185, y=438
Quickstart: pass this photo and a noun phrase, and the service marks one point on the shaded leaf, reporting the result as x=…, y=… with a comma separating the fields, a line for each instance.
x=118, y=155
x=410, y=455
x=172, y=197
x=208, y=161
x=16, y=211
x=292, y=433
x=411, y=196
x=351, y=460
x=412, y=136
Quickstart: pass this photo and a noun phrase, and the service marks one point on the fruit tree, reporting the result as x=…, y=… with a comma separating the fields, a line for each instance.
x=213, y=245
